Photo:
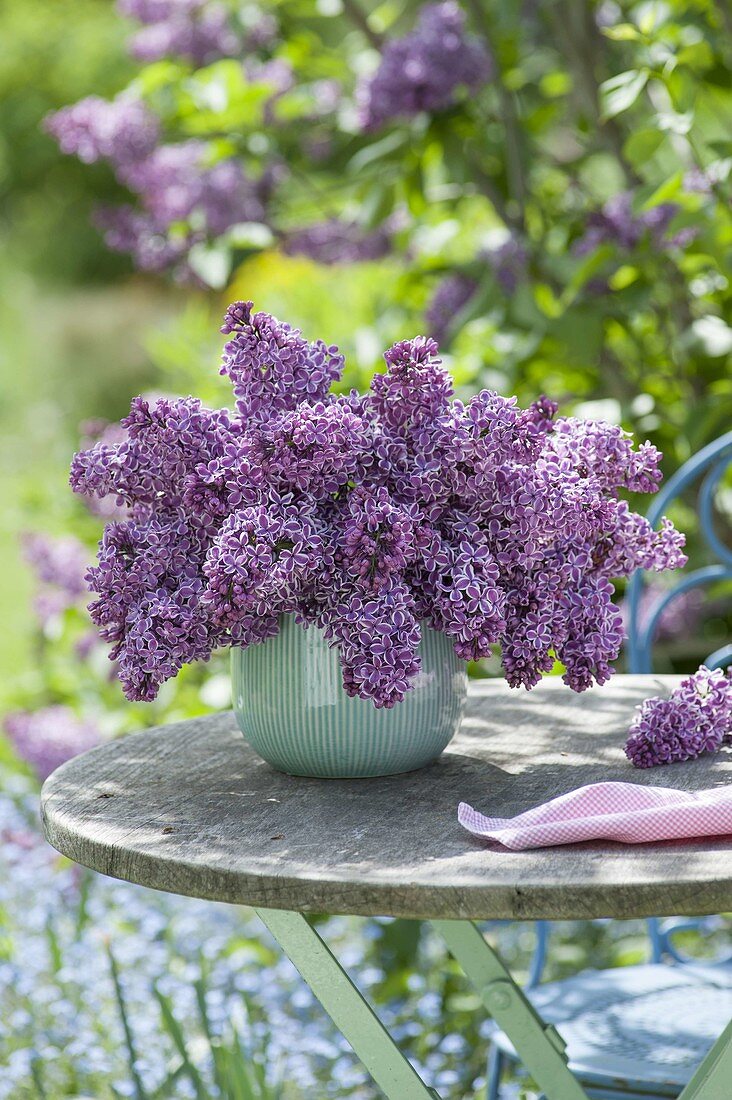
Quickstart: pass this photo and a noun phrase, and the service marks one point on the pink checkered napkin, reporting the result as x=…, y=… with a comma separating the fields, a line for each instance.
x=628, y=812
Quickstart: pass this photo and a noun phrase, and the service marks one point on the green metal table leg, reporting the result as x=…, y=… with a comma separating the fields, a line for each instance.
x=713, y=1079
x=540, y=1046
x=346, y=1006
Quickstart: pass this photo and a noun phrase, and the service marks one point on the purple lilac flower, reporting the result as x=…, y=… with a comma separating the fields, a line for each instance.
x=198, y=30
x=271, y=365
x=378, y=537
x=153, y=11
x=364, y=516
x=424, y=70
x=183, y=200
x=451, y=295
x=264, y=557
x=339, y=242
x=279, y=74
x=59, y=566
x=46, y=738
x=175, y=183
x=508, y=261
x=696, y=718
x=617, y=224
x=123, y=130
x=315, y=448
x=135, y=232
x=377, y=636
x=702, y=181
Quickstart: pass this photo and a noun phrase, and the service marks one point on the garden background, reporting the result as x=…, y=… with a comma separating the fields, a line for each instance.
x=556, y=212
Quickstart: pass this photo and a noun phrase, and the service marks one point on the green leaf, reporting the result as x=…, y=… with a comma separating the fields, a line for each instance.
x=375, y=151
x=547, y=301
x=623, y=32
x=624, y=276
x=156, y=76
x=140, y=1093
x=212, y=264
x=586, y=269
x=249, y=235
x=651, y=15
x=667, y=191
x=621, y=91
x=641, y=145
x=175, y=1032
x=555, y=84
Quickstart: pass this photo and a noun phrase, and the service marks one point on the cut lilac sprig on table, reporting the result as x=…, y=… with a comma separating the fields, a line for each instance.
x=367, y=516
x=696, y=718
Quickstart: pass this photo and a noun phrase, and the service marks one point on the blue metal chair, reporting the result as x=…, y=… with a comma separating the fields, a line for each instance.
x=639, y=1032
x=709, y=465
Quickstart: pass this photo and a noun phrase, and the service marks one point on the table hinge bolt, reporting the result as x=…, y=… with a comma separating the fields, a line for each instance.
x=498, y=995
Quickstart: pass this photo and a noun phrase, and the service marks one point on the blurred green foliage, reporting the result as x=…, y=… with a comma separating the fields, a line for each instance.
x=586, y=102
x=53, y=51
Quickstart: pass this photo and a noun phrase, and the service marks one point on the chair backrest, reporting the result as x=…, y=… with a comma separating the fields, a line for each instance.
x=708, y=467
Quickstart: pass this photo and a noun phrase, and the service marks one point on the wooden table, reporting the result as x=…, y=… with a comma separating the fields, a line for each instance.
x=191, y=809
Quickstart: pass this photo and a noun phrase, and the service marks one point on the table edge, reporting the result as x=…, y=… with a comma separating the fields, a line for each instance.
x=329, y=895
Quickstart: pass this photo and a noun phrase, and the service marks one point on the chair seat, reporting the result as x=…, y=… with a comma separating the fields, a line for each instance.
x=640, y=1030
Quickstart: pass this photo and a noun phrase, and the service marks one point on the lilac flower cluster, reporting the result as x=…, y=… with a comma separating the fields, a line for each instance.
x=184, y=198
x=696, y=718
x=424, y=70
x=178, y=188
x=617, y=224
x=339, y=242
x=59, y=566
x=365, y=515
x=122, y=130
x=46, y=738
x=198, y=30
x=450, y=296
x=507, y=261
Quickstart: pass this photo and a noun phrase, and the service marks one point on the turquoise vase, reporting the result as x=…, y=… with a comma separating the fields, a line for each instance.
x=291, y=707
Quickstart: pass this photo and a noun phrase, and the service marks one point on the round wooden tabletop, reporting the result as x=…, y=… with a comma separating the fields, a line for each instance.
x=190, y=808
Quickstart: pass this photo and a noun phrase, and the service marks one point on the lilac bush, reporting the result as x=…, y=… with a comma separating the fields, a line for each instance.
x=366, y=516
x=696, y=718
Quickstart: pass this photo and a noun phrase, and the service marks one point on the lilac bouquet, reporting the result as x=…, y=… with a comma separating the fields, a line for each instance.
x=365, y=515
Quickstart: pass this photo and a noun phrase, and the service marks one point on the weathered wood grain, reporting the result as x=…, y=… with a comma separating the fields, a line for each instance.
x=191, y=809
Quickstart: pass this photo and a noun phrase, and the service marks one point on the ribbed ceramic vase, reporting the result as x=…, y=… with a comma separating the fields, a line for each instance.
x=291, y=707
